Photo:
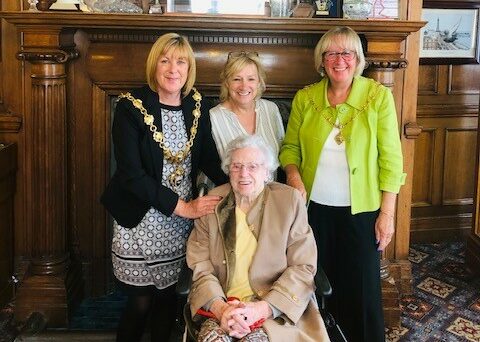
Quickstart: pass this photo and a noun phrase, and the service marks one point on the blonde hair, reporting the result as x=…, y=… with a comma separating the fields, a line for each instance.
x=234, y=65
x=178, y=45
x=350, y=40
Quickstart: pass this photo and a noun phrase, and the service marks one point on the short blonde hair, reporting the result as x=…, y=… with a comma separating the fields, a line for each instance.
x=177, y=45
x=237, y=61
x=349, y=38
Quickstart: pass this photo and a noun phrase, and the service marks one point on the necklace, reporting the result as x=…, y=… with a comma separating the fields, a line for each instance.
x=340, y=136
x=175, y=178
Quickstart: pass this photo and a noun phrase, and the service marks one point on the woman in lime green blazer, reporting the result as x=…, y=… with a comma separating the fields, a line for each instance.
x=342, y=151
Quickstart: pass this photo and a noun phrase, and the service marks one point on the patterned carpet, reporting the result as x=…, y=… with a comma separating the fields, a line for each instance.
x=445, y=305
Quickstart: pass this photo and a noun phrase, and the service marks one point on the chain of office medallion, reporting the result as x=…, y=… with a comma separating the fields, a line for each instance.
x=331, y=119
x=158, y=136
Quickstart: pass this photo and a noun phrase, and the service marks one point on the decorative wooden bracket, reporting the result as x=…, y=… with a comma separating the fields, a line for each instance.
x=386, y=64
x=412, y=130
x=10, y=123
x=58, y=56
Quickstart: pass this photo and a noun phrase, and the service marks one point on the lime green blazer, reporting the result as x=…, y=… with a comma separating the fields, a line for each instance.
x=373, y=147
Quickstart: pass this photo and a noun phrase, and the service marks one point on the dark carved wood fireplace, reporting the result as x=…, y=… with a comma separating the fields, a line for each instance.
x=69, y=67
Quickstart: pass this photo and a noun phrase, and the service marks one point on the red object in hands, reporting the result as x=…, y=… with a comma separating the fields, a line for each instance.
x=210, y=314
x=205, y=313
x=257, y=324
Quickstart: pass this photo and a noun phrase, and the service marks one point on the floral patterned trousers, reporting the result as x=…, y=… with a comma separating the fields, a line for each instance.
x=210, y=331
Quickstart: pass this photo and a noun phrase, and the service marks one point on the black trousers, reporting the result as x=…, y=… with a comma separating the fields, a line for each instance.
x=347, y=251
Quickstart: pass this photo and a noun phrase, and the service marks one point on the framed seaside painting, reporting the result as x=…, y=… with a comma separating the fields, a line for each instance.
x=451, y=35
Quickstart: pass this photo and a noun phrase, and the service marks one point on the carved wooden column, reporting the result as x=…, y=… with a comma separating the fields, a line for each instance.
x=52, y=282
x=382, y=68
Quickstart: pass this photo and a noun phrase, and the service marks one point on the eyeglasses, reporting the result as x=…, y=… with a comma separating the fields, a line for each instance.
x=236, y=54
x=250, y=167
x=347, y=55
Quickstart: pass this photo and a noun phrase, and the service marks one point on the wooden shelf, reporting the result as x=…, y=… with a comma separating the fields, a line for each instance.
x=387, y=28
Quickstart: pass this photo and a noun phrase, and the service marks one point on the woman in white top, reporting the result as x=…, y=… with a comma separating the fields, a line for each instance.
x=242, y=111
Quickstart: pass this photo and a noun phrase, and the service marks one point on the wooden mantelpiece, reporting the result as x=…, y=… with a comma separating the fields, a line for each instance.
x=222, y=23
x=63, y=71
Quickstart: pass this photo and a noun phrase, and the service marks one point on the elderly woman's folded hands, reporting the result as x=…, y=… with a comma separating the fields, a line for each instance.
x=237, y=317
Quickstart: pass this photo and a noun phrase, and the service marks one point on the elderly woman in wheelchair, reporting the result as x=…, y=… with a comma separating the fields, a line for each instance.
x=254, y=259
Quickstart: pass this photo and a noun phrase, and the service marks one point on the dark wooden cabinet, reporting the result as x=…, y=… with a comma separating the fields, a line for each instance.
x=8, y=168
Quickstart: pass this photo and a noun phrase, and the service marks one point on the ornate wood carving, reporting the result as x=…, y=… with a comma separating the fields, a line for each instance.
x=51, y=270
x=412, y=130
x=387, y=64
x=10, y=123
x=48, y=118
x=382, y=68
x=218, y=38
x=50, y=56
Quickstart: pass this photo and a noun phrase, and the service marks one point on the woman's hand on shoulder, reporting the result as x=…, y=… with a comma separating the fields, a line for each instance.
x=198, y=207
x=297, y=183
x=294, y=179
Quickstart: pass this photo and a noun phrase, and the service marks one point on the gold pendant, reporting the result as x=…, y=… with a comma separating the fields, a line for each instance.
x=339, y=139
x=176, y=177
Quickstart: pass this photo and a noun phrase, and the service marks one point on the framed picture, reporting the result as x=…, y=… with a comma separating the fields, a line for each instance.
x=451, y=35
x=328, y=8
x=384, y=9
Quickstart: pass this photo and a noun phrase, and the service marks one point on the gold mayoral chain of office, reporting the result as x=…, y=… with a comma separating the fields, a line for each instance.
x=340, y=137
x=175, y=178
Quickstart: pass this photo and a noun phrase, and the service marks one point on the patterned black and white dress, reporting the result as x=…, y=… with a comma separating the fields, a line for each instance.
x=152, y=253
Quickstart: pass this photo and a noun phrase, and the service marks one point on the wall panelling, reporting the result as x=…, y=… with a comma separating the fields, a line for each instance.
x=447, y=110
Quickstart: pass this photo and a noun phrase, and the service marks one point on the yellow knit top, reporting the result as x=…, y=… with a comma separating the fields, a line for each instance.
x=246, y=245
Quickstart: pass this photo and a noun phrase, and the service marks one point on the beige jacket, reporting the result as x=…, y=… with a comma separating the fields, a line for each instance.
x=282, y=268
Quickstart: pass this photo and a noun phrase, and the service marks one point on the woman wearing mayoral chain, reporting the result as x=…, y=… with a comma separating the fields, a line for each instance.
x=161, y=138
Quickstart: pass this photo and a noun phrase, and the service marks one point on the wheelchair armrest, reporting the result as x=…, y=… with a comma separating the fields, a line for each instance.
x=184, y=281
x=324, y=288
